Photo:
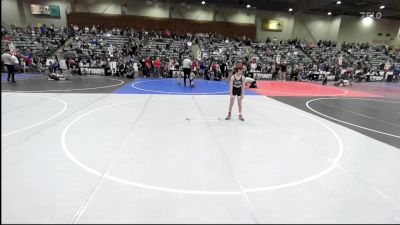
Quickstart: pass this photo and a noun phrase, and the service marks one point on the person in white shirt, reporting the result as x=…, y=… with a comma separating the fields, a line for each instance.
x=230, y=67
x=218, y=71
x=253, y=66
x=135, y=69
x=9, y=61
x=251, y=82
x=186, y=65
x=94, y=29
x=171, y=67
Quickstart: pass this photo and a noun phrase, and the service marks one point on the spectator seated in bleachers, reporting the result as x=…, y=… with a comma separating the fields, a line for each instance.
x=95, y=45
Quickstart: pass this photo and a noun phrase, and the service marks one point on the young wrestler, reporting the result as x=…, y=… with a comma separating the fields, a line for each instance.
x=237, y=85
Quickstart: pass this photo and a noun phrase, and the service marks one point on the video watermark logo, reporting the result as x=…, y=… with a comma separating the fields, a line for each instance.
x=376, y=15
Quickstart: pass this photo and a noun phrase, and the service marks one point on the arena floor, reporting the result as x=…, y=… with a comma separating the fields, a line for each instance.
x=112, y=150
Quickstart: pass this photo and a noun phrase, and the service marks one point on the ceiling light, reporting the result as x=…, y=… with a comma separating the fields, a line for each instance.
x=367, y=21
x=329, y=13
x=290, y=9
x=248, y=6
x=339, y=2
x=382, y=7
x=203, y=2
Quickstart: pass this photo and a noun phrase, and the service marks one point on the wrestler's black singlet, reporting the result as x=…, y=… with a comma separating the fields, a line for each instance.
x=237, y=86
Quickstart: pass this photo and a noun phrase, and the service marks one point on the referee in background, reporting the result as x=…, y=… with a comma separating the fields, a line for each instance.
x=9, y=61
x=187, y=65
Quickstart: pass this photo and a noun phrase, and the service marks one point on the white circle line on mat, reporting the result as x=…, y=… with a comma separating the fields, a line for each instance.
x=200, y=192
x=41, y=122
x=75, y=89
x=348, y=123
x=171, y=92
x=315, y=176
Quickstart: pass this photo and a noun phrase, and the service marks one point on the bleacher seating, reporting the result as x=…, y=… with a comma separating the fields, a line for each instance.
x=33, y=41
x=117, y=45
x=270, y=52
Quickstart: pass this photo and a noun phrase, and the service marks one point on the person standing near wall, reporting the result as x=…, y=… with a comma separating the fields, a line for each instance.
x=136, y=66
x=229, y=70
x=282, y=76
x=213, y=68
x=396, y=73
x=9, y=61
x=147, y=67
x=157, y=65
x=202, y=68
x=223, y=68
x=253, y=67
x=194, y=67
x=69, y=63
x=171, y=67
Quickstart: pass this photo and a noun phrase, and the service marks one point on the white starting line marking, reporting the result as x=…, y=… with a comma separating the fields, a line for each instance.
x=203, y=119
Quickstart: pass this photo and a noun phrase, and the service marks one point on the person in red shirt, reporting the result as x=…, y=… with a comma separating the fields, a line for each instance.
x=194, y=67
x=8, y=37
x=27, y=60
x=214, y=68
x=157, y=64
x=147, y=65
x=167, y=33
x=69, y=63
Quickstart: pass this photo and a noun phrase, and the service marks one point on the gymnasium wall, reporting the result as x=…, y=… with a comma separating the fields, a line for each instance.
x=353, y=29
x=315, y=27
x=285, y=18
x=163, y=9
x=175, y=25
x=304, y=26
x=10, y=13
x=397, y=42
x=18, y=12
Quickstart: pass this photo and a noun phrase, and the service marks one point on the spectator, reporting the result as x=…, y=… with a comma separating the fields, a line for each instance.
x=282, y=76
x=121, y=69
x=171, y=67
x=146, y=67
x=43, y=29
x=157, y=65
x=202, y=68
x=223, y=68
x=194, y=67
